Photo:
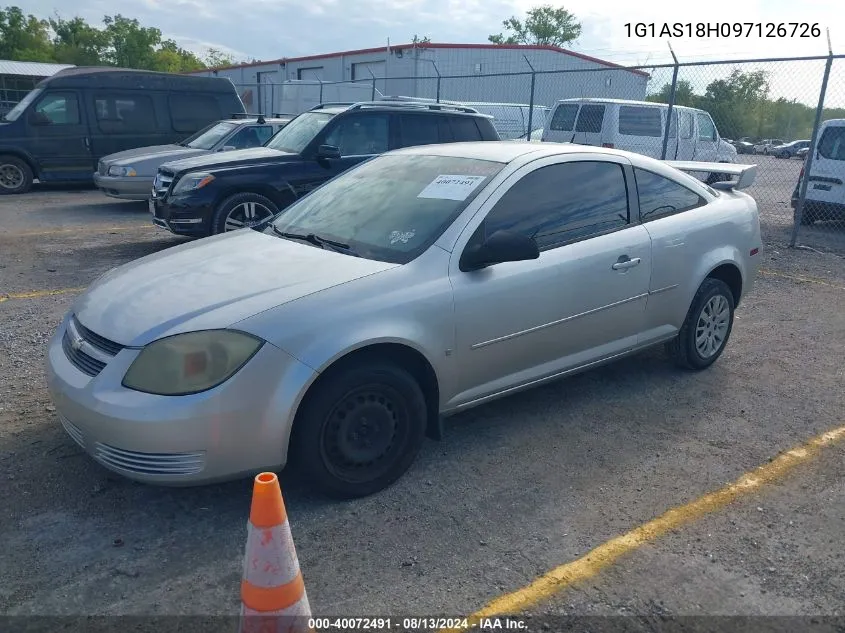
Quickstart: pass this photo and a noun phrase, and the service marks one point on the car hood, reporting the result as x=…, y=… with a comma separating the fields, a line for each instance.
x=229, y=159
x=211, y=283
x=160, y=153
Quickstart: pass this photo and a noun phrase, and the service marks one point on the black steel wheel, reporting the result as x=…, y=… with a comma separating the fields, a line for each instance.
x=360, y=429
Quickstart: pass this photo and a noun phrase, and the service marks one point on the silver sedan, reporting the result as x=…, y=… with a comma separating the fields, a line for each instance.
x=420, y=283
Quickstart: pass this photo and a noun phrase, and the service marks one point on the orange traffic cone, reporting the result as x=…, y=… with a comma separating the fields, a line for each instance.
x=273, y=598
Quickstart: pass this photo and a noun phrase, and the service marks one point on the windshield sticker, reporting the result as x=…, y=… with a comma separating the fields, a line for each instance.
x=402, y=236
x=451, y=187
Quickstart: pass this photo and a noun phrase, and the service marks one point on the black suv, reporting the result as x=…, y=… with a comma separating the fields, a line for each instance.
x=213, y=194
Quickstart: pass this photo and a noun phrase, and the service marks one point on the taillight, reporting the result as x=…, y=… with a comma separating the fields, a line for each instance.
x=610, y=145
x=801, y=173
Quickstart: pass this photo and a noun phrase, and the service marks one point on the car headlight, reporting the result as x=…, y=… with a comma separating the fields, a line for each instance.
x=190, y=363
x=192, y=182
x=116, y=170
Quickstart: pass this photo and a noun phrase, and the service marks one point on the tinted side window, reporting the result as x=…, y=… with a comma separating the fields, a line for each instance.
x=361, y=135
x=58, y=108
x=563, y=203
x=590, y=118
x=189, y=112
x=124, y=113
x=706, y=129
x=640, y=121
x=832, y=143
x=465, y=129
x=660, y=196
x=563, y=119
x=418, y=130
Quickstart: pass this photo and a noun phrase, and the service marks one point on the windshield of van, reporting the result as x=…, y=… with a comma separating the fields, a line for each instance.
x=296, y=135
x=14, y=113
x=210, y=136
x=390, y=208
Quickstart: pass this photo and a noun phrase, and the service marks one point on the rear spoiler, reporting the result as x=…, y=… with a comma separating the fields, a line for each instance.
x=746, y=174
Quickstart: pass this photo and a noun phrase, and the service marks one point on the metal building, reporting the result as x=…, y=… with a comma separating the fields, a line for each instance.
x=461, y=72
x=18, y=78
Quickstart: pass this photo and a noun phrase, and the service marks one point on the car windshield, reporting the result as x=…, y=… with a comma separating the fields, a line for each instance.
x=23, y=104
x=392, y=207
x=210, y=136
x=296, y=135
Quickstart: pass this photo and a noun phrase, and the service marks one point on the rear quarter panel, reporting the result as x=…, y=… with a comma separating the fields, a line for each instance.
x=688, y=246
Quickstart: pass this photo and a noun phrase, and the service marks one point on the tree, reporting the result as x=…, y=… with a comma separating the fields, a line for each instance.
x=24, y=37
x=173, y=59
x=739, y=103
x=545, y=25
x=684, y=94
x=76, y=42
x=130, y=44
x=215, y=58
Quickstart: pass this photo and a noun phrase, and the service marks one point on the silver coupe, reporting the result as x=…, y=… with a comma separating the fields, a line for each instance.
x=418, y=284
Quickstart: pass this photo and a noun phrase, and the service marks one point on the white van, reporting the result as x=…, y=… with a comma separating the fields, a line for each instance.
x=826, y=184
x=638, y=126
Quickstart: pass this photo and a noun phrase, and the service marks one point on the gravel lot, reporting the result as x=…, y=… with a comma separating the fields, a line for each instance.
x=516, y=488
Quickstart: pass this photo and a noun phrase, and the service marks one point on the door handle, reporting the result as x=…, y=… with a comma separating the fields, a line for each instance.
x=626, y=263
x=87, y=142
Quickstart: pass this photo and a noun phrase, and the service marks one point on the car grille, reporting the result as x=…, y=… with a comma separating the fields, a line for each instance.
x=89, y=352
x=162, y=183
x=150, y=463
x=73, y=431
x=101, y=168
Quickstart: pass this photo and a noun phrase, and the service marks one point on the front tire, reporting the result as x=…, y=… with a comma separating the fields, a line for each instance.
x=15, y=175
x=242, y=210
x=707, y=327
x=360, y=429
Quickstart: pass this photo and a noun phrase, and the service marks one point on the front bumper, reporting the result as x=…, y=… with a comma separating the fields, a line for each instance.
x=182, y=215
x=236, y=429
x=124, y=188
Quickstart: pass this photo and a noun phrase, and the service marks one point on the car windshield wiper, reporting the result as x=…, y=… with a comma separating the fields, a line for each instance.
x=316, y=240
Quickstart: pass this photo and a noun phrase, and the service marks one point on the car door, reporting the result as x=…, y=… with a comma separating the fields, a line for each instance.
x=57, y=127
x=588, y=127
x=561, y=123
x=123, y=120
x=666, y=212
x=707, y=141
x=358, y=136
x=826, y=183
x=582, y=300
x=686, y=140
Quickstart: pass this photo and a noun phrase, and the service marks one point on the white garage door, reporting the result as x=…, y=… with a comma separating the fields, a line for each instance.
x=362, y=70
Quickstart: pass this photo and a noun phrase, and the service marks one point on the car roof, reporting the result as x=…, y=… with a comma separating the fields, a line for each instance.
x=836, y=122
x=622, y=102
x=506, y=151
x=254, y=120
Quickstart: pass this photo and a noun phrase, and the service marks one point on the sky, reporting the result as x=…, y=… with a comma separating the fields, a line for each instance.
x=271, y=29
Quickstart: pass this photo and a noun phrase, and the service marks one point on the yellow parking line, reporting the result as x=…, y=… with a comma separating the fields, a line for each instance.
x=80, y=229
x=609, y=552
x=35, y=294
x=811, y=280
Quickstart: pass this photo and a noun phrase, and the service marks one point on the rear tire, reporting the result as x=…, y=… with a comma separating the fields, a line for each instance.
x=707, y=327
x=15, y=175
x=242, y=210
x=359, y=429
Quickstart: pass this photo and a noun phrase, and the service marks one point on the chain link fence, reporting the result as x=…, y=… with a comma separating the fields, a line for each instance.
x=767, y=112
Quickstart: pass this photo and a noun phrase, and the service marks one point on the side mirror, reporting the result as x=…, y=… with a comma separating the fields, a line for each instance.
x=328, y=151
x=502, y=246
x=37, y=118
